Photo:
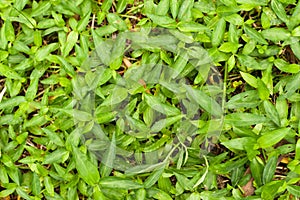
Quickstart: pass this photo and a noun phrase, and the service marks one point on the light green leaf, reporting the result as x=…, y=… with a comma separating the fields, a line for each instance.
x=239, y=143
x=251, y=80
x=71, y=41
x=191, y=27
x=155, y=103
x=206, y=102
x=272, y=112
x=294, y=190
x=9, y=72
x=113, y=182
x=244, y=119
x=163, y=7
x=276, y=34
x=163, y=21
x=254, y=34
x=86, y=169
x=235, y=19
x=12, y=102
x=271, y=138
x=279, y=10
x=286, y=67
x=218, y=32
x=262, y=89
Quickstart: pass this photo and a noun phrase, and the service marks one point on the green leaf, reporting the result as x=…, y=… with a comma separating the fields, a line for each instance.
x=71, y=41
x=254, y=34
x=23, y=194
x=205, y=101
x=296, y=32
x=270, y=190
x=251, y=80
x=9, y=31
x=191, y=27
x=286, y=67
x=276, y=34
x=269, y=170
x=108, y=158
x=293, y=84
x=155, y=103
x=247, y=99
x=118, y=95
x=9, y=72
x=158, y=194
x=294, y=190
x=194, y=196
x=185, y=37
x=235, y=19
x=295, y=46
x=256, y=170
x=184, y=13
x=37, y=120
x=279, y=10
x=183, y=181
x=117, y=53
x=297, y=155
x=163, y=7
x=228, y=47
x=263, y=91
x=180, y=63
x=82, y=24
x=253, y=2
x=202, y=178
x=86, y=169
x=272, y=112
x=250, y=62
x=249, y=47
x=174, y=7
x=244, y=119
x=66, y=66
x=163, y=21
x=163, y=123
x=12, y=102
x=271, y=138
x=78, y=114
x=153, y=177
x=116, y=21
x=113, y=182
x=53, y=136
x=44, y=52
x=121, y=6
x=7, y=192
x=41, y=8
x=218, y=32
x=102, y=118
x=35, y=184
x=57, y=156
x=48, y=185
x=239, y=143
x=106, y=5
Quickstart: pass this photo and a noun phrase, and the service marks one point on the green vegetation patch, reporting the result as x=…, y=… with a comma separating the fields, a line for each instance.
x=171, y=99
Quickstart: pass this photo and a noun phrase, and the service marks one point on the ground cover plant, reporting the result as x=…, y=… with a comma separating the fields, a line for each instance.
x=171, y=99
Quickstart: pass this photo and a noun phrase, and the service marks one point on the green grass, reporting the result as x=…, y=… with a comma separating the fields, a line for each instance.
x=171, y=99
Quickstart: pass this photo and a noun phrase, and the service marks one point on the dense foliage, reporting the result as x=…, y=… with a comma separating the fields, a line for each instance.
x=171, y=99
